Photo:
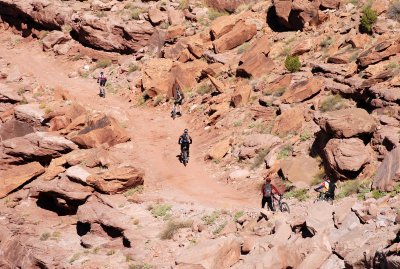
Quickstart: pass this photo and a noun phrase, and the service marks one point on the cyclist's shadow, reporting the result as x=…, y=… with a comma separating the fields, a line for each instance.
x=179, y=157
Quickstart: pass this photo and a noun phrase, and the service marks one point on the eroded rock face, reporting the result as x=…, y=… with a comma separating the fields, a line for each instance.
x=300, y=170
x=388, y=173
x=14, y=128
x=101, y=33
x=101, y=130
x=239, y=34
x=347, y=123
x=379, y=52
x=303, y=90
x=347, y=156
x=295, y=14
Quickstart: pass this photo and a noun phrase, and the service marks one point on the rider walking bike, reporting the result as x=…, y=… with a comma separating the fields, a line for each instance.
x=326, y=190
x=179, y=96
x=185, y=140
x=102, y=81
x=268, y=190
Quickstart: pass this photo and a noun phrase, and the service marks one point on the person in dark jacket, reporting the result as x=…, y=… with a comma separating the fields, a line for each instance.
x=185, y=140
x=268, y=190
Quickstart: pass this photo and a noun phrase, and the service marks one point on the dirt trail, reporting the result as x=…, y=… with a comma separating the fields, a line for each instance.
x=153, y=132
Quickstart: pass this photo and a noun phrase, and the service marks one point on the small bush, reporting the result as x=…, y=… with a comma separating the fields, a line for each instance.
x=132, y=68
x=348, y=188
x=141, y=266
x=305, y=136
x=164, y=25
x=45, y=236
x=183, y=4
x=210, y=219
x=292, y=63
x=160, y=210
x=138, y=189
x=299, y=194
x=204, y=89
x=326, y=43
x=279, y=92
x=259, y=159
x=103, y=63
x=318, y=178
x=220, y=228
x=158, y=100
x=242, y=48
x=332, y=103
x=213, y=14
x=173, y=227
x=101, y=14
x=237, y=123
x=238, y=214
x=394, y=11
x=135, y=12
x=285, y=152
x=368, y=19
x=378, y=194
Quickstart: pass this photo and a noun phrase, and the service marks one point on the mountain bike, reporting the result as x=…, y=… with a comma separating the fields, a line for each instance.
x=185, y=156
x=323, y=197
x=282, y=206
x=102, y=92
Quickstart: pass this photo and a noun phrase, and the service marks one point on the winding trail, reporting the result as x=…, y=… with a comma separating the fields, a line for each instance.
x=153, y=132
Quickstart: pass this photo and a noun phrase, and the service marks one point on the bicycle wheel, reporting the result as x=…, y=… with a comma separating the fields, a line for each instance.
x=184, y=157
x=284, y=207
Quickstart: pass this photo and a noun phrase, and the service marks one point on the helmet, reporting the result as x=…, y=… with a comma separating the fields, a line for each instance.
x=268, y=179
x=186, y=131
x=101, y=72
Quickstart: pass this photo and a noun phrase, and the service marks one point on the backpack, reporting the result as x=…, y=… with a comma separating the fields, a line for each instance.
x=267, y=190
x=332, y=187
x=185, y=138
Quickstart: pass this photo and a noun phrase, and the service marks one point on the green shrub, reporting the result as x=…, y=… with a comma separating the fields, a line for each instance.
x=160, y=210
x=204, y=89
x=305, y=136
x=368, y=19
x=242, y=48
x=210, y=219
x=280, y=91
x=103, y=63
x=326, y=42
x=292, y=63
x=378, y=194
x=45, y=236
x=158, y=100
x=299, y=194
x=213, y=14
x=220, y=228
x=285, y=152
x=184, y=4
x=135, y=13
x=259, y=159
x=173, y=227
x=331, y=103
x=350, y=187
x=238, y=214
x=138, y=189
x=394, y=11
x=141, y=266
x=132, y=68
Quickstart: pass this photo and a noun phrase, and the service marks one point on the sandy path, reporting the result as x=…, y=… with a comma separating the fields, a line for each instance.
x=153, y=132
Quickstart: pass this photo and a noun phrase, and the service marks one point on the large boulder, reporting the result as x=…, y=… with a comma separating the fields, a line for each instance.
x=156, y=16
x=61, y=194
x=38, y=146
x=14, y=128
x=219, y=150
x=15, y=177
x=239, y=34
x=295, y=14
x=347, y=156
x=111, y=35
x=30, y=113
x=48, y=15
x=300, y=170
x=255, y=62
x=101, y=130
x=290, y=121
x=9, y=95
x=157, y=78
x=388, y=173
x=116, y=179
x=54, y=38
x=221, y=26
x=346, y=123
x=211, y=254
x=303, y=90
x=379, y=52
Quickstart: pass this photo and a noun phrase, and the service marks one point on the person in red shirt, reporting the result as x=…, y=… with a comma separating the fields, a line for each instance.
x=268, y=190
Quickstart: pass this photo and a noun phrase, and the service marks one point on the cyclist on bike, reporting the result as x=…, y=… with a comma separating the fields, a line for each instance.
x=327, y=189
x=268, y=190
x=178, y=94
x=102, y=79
x=185, y=140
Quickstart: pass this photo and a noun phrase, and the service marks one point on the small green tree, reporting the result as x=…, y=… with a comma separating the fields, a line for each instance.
x=368, y=19
x=292, y=63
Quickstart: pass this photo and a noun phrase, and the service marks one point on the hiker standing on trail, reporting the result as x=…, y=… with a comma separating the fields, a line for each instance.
x=268, y=190
x=102, y=79
x=327, y=189
x=178, y=99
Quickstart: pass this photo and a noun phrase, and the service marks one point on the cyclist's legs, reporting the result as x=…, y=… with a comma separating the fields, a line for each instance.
x=270, y=204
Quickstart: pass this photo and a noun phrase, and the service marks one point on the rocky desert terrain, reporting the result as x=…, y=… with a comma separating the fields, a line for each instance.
x=295, y=90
